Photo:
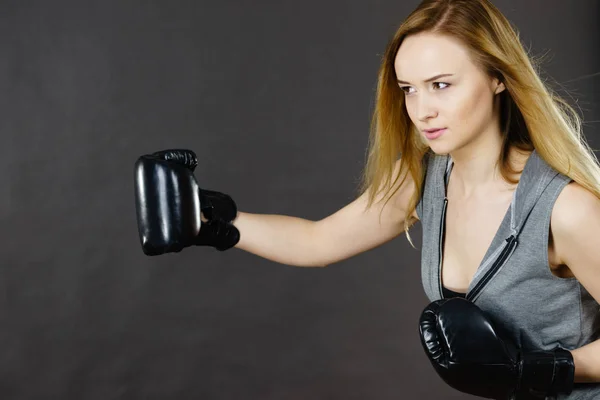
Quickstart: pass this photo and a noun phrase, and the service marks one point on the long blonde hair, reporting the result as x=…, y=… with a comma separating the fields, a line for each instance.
x=533, y=115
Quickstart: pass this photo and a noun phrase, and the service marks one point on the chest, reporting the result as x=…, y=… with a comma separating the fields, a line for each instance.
x=470, y=228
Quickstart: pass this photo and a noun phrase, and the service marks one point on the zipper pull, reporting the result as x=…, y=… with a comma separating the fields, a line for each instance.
x=511, y=238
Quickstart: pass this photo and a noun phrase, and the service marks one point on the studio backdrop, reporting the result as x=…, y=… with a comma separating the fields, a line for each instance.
x=275, y=97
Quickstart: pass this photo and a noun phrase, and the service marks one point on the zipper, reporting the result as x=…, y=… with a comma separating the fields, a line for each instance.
x=441, y=242
x=509, y=248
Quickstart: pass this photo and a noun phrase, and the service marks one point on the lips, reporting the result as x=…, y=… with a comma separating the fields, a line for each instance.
x=434, y=133
x=433, y=130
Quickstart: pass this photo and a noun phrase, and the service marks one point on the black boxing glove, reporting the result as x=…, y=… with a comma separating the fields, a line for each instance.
x=170, y=206
x=470, y=356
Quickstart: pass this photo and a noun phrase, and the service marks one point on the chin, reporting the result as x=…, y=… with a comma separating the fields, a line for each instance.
x=440, y=149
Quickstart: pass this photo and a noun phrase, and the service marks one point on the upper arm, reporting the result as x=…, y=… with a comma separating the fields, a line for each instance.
x=355, y=229
x=576, y=230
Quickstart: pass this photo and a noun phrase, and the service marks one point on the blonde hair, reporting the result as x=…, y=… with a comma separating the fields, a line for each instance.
x=533, y=116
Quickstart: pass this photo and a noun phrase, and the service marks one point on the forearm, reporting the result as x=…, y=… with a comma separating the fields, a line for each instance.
x=280, y=238
x=587, y=362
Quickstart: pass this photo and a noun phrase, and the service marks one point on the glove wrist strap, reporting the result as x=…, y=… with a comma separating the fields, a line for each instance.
x=217, y=205
x=219, y=234
x=548, y=373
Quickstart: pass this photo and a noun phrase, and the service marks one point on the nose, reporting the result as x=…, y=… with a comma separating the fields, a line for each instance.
x=426, y=108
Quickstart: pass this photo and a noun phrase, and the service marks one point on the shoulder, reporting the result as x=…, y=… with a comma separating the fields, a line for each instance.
x=577, y=218
x=576, y=212
x=573, y=203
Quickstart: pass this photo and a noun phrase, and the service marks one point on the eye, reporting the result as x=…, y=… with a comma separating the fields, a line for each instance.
x=406, y=88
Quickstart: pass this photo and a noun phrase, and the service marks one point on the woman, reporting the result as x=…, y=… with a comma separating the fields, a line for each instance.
x=467, y=139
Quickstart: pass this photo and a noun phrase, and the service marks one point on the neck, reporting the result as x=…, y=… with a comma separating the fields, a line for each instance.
x=476, y=169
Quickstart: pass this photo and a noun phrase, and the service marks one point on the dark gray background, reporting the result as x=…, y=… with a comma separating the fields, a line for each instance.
x=276, y=98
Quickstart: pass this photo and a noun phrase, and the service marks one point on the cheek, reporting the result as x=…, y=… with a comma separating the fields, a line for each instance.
x=410, y=109
x=468, y=110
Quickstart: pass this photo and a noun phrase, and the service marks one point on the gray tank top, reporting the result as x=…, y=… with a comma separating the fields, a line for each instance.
x=514, y=284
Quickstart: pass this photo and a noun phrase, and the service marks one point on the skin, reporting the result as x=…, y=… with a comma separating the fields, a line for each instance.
x=466, y=104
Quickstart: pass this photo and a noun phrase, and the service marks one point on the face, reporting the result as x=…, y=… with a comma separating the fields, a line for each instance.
x=463, y=102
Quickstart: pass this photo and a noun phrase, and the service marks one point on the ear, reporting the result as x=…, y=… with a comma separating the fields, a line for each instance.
x=499, y=86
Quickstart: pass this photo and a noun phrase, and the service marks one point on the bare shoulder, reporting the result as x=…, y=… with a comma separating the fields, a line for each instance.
x=400, y=192
x=406, y=188
x=572, y=201
x=572, y=206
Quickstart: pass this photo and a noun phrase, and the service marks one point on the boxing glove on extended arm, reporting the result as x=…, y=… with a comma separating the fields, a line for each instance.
x=469, y=355
x=169, y=205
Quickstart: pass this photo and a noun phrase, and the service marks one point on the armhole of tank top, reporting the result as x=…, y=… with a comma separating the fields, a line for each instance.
x=419, y=209
x=546, y=234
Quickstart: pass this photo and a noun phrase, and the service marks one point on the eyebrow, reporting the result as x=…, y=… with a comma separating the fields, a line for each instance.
x=433, y=78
